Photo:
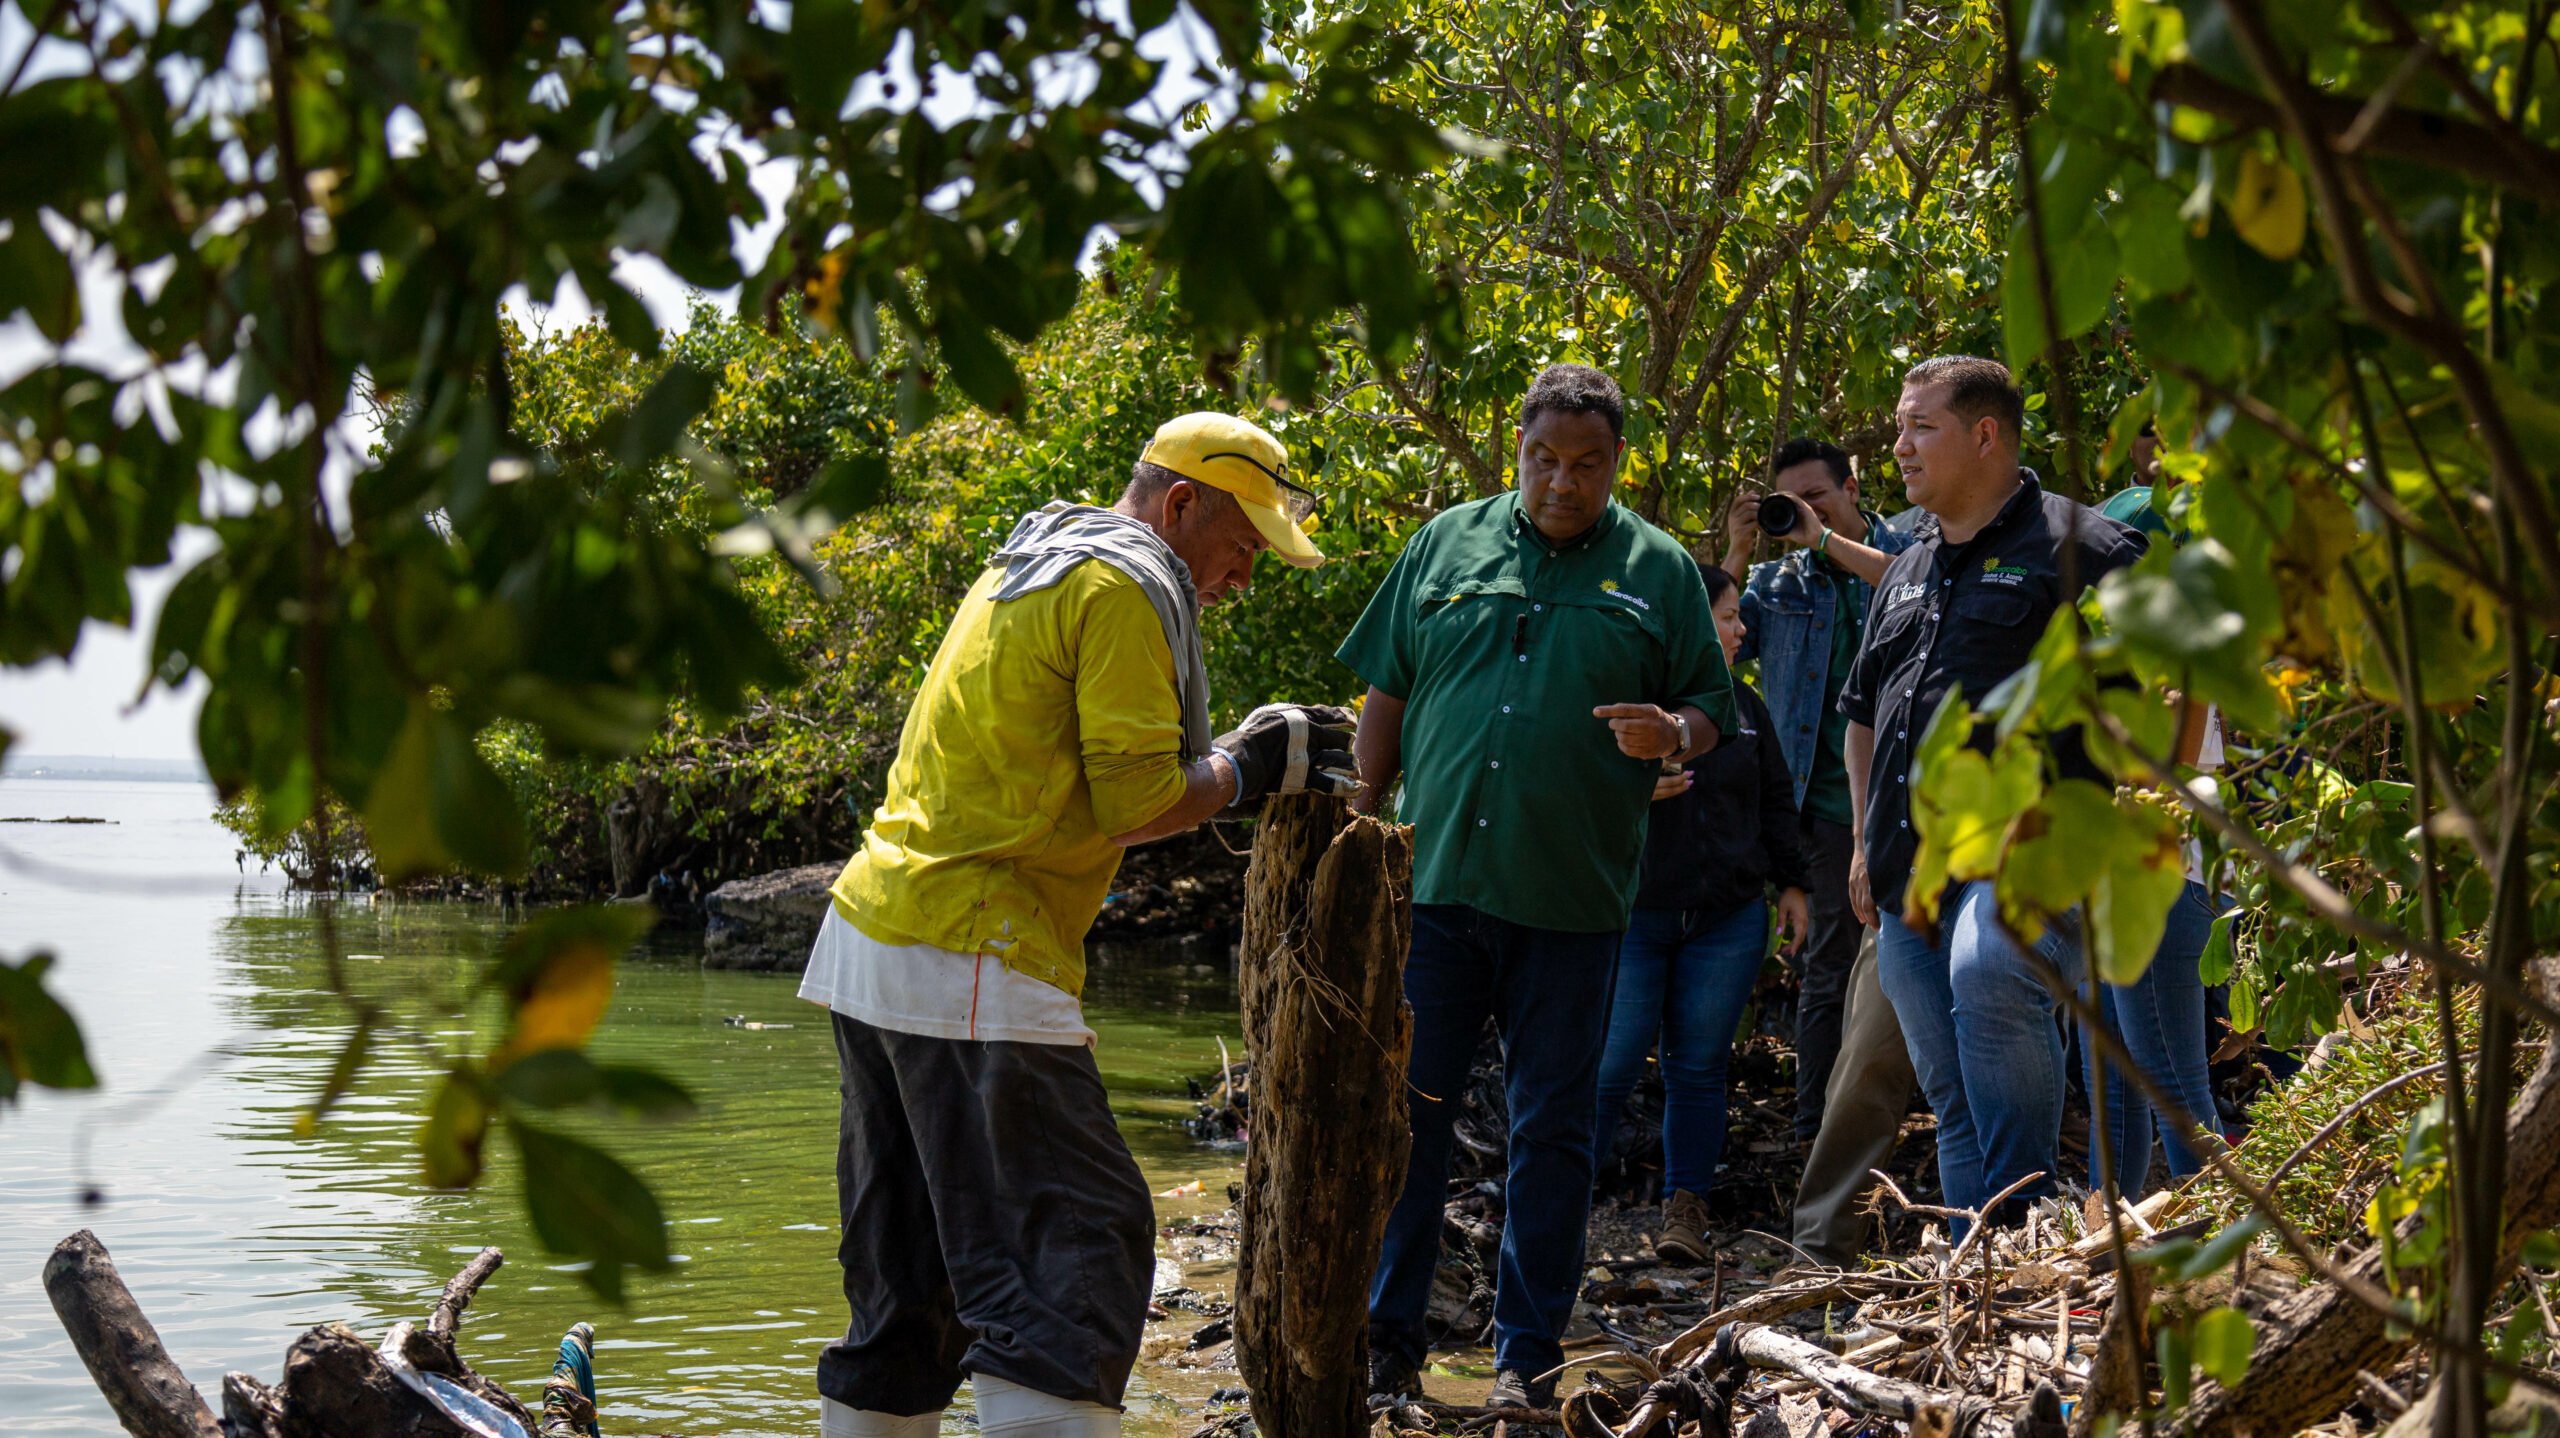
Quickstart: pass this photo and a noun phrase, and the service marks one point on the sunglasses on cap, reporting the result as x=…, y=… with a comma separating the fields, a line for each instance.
x=1296, y=500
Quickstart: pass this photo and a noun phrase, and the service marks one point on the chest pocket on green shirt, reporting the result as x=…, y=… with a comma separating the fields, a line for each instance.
x=1468, y=621
x=1603, y=646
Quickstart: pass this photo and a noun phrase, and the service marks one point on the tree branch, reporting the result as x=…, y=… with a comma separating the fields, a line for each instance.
x=2421, y=136
x=1451, y=435
x=1764, y=270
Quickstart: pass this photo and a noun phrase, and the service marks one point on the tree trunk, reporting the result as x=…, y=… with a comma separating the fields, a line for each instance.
x=1328, y=912
x=2311, y=1343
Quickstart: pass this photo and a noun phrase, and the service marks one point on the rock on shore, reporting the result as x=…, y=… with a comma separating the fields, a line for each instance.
x=767, y=923
x=1188, y=888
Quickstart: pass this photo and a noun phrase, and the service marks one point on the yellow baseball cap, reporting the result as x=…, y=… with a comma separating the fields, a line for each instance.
x=1241, y=458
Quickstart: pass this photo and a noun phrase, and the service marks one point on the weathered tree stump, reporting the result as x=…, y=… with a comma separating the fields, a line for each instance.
x=1328, y=913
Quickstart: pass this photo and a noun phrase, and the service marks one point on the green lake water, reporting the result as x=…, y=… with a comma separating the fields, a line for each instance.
x=200, y=987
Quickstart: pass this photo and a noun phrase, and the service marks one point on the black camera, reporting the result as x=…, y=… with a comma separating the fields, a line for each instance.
x=1779, y=514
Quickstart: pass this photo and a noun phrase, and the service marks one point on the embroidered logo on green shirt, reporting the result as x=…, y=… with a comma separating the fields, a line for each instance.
x=1610, y=587
x=1994, y=572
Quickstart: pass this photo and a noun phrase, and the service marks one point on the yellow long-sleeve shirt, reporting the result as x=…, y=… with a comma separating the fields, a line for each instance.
x=1046, y=724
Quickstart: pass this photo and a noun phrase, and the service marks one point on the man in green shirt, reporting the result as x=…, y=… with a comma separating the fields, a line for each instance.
x=1531, y=659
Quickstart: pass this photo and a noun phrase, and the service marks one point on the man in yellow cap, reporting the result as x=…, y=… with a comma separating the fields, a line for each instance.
x=994, y=1224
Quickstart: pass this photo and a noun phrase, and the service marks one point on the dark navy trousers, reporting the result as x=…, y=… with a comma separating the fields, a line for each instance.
x=1548, y=994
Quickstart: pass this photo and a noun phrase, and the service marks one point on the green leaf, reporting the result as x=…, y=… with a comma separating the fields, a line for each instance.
x=2215, y=965
x=2242, y=283
x=2151, y=241
x=646, y=1092
x=1962, y=807
x=2047, y=688
x=55, y=136
x=40, y=1042
x=2186, y=621
x=2216, y=1253
x=36, y=277
x=566, y=1078
x=2084, y=273
x=2245, y=1015
x=628, y=318
x=2149, y=724
x=2060, y=850
x=550, y=1078
x=2129, y=909
x=827, y=49
x=450, y=1141
x=2542, y=1249
x=653, y=424
x=604, y=719
x=983, y=370
x=846, y=487
x=436, y=804
x=586, y=1204
x=2224, y=1339
x=2177, y=1366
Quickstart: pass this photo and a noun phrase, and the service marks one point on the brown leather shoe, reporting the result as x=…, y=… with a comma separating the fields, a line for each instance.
x=1684, y=1229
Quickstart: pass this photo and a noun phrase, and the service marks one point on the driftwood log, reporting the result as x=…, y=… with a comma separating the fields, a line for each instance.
x=1328, y=912
x=334, y=1383
x=150, y=1396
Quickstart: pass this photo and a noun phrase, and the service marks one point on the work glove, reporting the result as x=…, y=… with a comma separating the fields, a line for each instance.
x=1291, y=749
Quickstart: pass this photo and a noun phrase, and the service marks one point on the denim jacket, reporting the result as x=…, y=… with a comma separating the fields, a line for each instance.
x=1786, y=625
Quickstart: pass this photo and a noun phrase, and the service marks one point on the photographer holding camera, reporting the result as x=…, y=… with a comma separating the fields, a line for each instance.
x=1803, y=616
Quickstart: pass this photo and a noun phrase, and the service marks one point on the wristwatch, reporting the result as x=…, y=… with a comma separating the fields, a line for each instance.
x=1681, y=722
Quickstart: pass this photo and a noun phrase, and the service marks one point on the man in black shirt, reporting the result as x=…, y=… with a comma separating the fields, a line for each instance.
x=1965, y=605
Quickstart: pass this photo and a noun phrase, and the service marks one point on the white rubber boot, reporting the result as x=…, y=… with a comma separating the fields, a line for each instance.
x=1009, y=1410
x=837, y=1421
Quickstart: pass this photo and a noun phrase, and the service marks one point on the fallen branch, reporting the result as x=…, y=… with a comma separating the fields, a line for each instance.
x=446, y=1321
x=1932, y=1413
x=1766, y=1306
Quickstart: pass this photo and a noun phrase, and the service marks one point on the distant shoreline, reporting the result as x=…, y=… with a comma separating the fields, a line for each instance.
x=102, y=767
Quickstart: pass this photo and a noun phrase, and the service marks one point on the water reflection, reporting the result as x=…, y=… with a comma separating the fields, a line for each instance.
x=236, y=1234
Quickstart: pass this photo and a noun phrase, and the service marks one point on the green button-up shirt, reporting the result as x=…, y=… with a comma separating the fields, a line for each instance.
x=1500, y=645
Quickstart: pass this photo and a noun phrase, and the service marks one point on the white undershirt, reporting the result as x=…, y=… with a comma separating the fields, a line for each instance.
x=936, y=992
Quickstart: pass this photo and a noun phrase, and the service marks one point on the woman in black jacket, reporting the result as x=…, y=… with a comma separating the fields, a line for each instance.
x=1722, y=834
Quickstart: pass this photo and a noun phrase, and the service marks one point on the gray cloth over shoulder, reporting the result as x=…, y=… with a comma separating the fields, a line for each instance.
x=1054, y=539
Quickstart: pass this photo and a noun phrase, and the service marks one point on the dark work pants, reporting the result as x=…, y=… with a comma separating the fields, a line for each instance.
x=1548, y=994
x=1824, y=962
x=994, y=1223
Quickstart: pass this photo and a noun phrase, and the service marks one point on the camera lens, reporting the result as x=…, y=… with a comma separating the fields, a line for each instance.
x=1778, y=515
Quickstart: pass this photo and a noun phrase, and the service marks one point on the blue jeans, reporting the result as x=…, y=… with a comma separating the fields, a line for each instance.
x=1685, y=976
x=2160, y=1017
x=1548, y=995
x=1986, y=1042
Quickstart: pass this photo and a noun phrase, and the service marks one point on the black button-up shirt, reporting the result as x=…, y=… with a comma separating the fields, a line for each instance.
x=1948, y=614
